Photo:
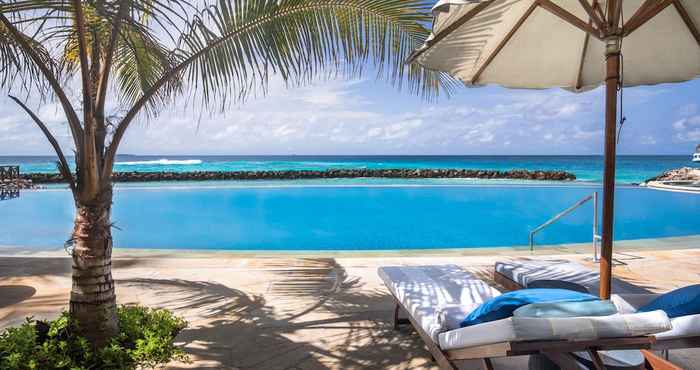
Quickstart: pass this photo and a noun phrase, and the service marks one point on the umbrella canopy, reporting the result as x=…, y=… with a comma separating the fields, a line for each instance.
x=560, y=43
x=572, y=44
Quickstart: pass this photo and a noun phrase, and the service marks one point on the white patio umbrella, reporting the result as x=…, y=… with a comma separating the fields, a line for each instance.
x=572, y=44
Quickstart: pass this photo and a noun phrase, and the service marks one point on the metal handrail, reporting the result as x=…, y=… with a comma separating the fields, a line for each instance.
x=596, y=236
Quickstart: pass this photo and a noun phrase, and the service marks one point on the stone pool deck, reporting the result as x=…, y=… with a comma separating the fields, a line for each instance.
x=321, y=311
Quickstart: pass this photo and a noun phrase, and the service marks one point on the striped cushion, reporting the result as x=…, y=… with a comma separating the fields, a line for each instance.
x=429, y=292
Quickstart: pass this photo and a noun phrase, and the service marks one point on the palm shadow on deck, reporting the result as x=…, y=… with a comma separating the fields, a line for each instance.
x=312, y=316
x=14, y=294
x=309, y=314
x=28, y=266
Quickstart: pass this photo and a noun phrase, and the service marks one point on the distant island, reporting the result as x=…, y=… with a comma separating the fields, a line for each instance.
x=686, y=179
x=681, y=174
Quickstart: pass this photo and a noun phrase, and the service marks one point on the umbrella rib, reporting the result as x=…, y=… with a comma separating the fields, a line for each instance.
x=579, y=76
x=643, y=9
x=449, y=29
x=641, y=18
x=569, y=18
x=616, y=16
x=688, y=21
x=591, y=13
x=503, y=42
x=599, y=11
x=586, y=40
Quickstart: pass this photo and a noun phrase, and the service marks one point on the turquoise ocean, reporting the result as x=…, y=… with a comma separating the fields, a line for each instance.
x=630, y=169
x=355, y=214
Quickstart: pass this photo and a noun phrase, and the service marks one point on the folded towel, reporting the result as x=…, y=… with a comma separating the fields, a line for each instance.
x=567, y=309
x=588, y=328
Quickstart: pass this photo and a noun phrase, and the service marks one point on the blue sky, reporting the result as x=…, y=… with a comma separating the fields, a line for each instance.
x=369, y=117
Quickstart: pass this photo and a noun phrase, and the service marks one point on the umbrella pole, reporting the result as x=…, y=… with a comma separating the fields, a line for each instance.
x=611, y=83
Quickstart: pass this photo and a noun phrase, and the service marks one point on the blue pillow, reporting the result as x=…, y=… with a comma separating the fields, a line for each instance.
x=503, y=306
x=680, y=302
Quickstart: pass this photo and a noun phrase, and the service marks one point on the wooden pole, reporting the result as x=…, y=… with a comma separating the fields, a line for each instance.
x=613, y=45
x=611, y=81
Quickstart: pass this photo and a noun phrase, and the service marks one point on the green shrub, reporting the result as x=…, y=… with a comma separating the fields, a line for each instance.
x=145, y=340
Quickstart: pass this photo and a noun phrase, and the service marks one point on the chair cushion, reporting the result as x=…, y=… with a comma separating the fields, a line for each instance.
x=524, y=272
x=517, y=329
x=682, y=326
x=680, y=302
x=557, y=284
x=567, y=309
x=502, y=306
x=437, y=296
x=590, y=328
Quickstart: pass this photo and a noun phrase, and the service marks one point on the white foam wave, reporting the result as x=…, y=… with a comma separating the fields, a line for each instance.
x=163, y=162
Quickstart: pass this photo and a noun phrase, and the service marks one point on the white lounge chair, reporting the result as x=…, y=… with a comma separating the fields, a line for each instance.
x=518, y=274
x=437, y=298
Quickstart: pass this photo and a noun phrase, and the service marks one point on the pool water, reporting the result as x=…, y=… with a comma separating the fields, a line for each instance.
x=354, y=217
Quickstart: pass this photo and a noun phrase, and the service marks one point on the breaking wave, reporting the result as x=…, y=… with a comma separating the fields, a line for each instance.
x=164, y=162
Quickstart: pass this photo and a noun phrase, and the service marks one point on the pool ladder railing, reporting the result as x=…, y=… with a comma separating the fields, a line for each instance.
x=596, y=236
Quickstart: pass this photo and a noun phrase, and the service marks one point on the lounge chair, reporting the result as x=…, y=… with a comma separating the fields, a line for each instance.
x=436, y=299
x=518, y=274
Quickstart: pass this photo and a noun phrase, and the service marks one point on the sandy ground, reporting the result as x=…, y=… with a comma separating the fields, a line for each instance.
x=300, y=312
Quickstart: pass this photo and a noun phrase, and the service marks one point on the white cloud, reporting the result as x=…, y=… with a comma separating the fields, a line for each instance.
x=687, y=129
x=401, y=129
x=567, y=110
x=680, y=124
x=648, y=140
x=690, y=135
x=580, y=133
x=484, y=132
x=332, y=94
x=487, y=137
x=688, y=109
x=359, y=118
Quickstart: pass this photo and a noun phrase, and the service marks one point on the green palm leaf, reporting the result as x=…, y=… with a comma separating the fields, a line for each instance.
x=234, y=47
x=16, y=67
x=219, y=52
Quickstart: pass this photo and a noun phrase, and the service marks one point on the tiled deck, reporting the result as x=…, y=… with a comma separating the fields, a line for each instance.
x=328, y=312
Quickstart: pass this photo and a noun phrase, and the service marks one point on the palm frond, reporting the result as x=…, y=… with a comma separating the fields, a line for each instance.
x=139, y=62
x=221, y=52
x=233, y=47
x=17, y=70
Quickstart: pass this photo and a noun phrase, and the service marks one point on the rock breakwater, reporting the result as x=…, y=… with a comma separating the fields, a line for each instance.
x=44, y=178
x=17, y=184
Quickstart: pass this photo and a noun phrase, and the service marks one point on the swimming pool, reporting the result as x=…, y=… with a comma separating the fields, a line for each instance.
x=355, y=217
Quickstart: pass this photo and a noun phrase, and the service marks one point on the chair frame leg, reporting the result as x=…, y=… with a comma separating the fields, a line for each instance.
x=398, y=321
x=565, y=361
x=483, y=364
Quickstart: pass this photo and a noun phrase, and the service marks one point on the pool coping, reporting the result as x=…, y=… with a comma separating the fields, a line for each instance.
x=662, y=185
x=667, y=243
x=294, y=184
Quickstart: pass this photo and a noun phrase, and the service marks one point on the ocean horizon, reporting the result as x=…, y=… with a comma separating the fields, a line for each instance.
x=587, y=168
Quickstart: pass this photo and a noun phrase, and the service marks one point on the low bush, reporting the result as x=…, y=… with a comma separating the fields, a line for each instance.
x=145, y=340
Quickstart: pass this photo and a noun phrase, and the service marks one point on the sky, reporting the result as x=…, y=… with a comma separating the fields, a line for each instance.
x=368, y=117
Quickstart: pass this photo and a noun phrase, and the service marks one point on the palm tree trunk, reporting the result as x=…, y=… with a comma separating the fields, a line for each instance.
x=93, y=301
